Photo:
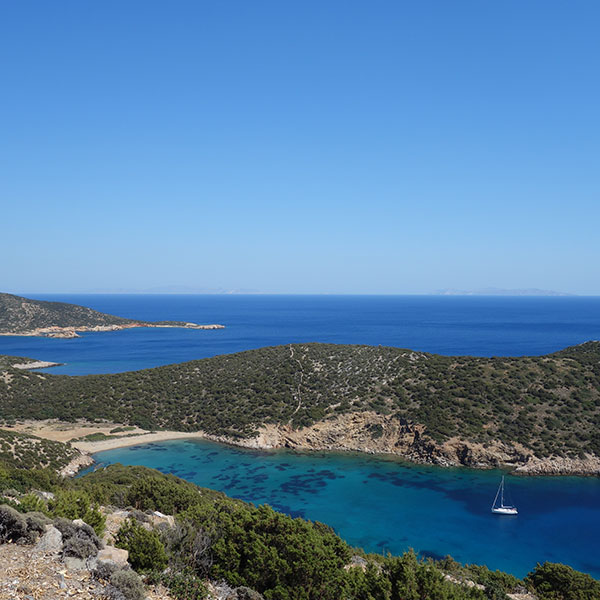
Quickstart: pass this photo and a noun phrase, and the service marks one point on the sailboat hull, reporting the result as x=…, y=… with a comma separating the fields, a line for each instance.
x=505, y=510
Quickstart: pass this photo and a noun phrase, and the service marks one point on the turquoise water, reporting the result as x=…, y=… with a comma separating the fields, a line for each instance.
x=386, y=505
x=481, y=326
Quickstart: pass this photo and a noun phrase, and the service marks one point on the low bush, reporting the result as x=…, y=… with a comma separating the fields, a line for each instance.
x=104, y=570
x=185, y=585
x=36, y=525
x=126, y=585
x=66, y=527
x=13, y=525
x=78, y=541
x=80, y=545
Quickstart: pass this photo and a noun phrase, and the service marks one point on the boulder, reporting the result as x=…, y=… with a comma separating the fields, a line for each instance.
x=117, y=555
x=51, y=541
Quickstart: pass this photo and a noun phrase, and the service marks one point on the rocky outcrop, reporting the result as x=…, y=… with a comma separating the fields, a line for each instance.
x=558, y=465
x=80, y=461
x=51, y=541
x=382, y=434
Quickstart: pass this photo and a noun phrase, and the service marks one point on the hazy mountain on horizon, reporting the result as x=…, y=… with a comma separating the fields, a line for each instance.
x=492, y=291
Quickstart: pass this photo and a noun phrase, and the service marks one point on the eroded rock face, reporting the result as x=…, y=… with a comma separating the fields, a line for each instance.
x=51, y=541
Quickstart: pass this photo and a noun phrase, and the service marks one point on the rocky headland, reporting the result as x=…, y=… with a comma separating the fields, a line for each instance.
x=21, y=316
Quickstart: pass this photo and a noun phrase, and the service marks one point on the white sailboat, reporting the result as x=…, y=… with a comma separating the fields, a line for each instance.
x=503, y=509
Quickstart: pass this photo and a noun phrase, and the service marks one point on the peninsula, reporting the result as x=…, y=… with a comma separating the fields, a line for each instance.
x=533, y=414
x=26, y=317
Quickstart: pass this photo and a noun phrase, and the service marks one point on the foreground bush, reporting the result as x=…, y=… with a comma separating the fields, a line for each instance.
x=126, y=585
x=73, y=504
x=146, y=552
x=78, y=541
x=183, y=586
x=13, y=525
x=554, y=581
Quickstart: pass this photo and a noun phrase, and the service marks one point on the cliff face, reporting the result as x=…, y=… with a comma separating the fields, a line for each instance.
x=378, y=434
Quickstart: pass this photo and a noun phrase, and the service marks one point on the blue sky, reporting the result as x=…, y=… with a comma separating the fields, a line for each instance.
x=334, y=147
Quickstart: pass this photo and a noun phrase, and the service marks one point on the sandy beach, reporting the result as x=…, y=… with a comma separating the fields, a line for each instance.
x=134, y=440
x=62, y=431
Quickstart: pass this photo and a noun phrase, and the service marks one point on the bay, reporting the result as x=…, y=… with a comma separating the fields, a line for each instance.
x=385, y=505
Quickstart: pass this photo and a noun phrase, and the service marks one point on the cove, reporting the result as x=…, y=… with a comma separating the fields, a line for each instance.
x=386, y=505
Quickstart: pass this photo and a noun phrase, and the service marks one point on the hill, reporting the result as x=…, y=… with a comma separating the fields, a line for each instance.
x=23, y=316
x=536, y=413
x=22, y=451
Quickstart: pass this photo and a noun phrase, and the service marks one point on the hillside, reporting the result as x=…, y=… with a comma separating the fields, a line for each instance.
x=23, y=316
x=426, y=407
x=22, y=451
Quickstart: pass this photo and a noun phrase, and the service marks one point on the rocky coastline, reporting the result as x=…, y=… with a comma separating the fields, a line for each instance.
x=354, y=433
x=372, y=433
x=73, y=332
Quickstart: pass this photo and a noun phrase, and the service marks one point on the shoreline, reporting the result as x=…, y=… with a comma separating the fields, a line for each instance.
x=55, y=331
x=272, y=437
x=536, y=468
x=149, y=437
x=36, y=364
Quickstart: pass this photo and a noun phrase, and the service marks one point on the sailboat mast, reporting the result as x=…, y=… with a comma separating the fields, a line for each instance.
x=502, y=493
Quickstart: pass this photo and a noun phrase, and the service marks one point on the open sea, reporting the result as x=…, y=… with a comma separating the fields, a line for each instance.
x=377, y=503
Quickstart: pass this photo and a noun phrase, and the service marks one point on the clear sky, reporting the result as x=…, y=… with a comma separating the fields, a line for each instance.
x=302, y=146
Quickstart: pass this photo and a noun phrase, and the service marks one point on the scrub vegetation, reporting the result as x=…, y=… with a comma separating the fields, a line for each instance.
x=25, y=451
x=549, y=404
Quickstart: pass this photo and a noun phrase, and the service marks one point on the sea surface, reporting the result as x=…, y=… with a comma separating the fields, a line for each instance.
x=385, y=505
x=475, y=325
x=376, y=503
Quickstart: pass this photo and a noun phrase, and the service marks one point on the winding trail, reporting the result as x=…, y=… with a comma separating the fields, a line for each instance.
x=298, y=392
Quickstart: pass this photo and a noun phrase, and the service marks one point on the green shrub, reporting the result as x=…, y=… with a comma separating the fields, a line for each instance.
x=146, y=551
x=555, y=581
x=185, y=585
x=74, y=504
x=32, y=503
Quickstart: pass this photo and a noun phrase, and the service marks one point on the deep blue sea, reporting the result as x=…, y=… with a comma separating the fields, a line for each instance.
x=376, y=503
x=476, y=325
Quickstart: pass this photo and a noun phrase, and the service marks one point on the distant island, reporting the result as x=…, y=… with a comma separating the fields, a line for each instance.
x=492, y=291
x=537, y=414
x=26, y=317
